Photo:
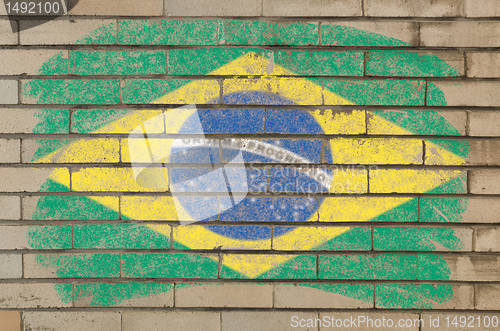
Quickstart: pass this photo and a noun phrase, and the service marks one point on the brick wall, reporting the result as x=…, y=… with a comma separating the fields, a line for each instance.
x=395, y=100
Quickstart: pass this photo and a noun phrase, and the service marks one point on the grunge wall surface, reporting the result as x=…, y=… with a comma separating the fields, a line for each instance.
x=393, y=104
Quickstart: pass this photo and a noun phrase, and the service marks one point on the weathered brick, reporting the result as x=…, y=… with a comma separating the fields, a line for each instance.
x=486, y=239
x=263, y=321
x=484, y=123
x=12, y=266
x=29, y=179
x=485, y=181
x=486, y=64
x=72, y=266
x=360, y=33
x=22, y=237
x=459, y=34
x=26, y=120
x=11, y=320
x=103, y=179
x=176, y=321
x=32, y=295
x=469, y=210
x=72, y=321
x=33, y=62
x=412, y=8
x=472, y=152
x=401, y=296
x=479, y=94
x=312, y=295
x=368, y=321
x=482, y=8
x=7, y=37
x=461, y=268
x=224, y=295
x=487, y=296
x=61, y=32
x=116, y=8
x=214, y=8
x=311, y=8
x=9, y=150
x=9, y=92
x=10, y=208
x=99, y=150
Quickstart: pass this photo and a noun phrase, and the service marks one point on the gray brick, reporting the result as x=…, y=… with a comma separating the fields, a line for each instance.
x=487, y=297
x=11, y=266
x=482, y=8
x=487, y=240
x=460, y=34
x=9, y=150
x=224, y=295
x=485, y=181
x=118, y=8
x=471, y=268
x=485, y=64
x=9, y=92
x=263, y=321
x=213, y=7
x=26, y=179
x=312, y=8
x=440, y=321
x=414, y=8
x=481, y=152
x=175, y=321
x=10, y=208
x=484, y=123
x=326, y=318
x=478, y=94
x=7, y=37
x=26, y=62
x=18, y=120
x=32, y=295
x=72, y=321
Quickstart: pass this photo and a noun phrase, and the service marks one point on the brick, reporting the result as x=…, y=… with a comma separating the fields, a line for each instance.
x=263, y=321
x=22, y=237
x=11, y=320
x=485, y=181
x=92, y=120
x=10, y=208
x=408, y=296
x=9, y=92
x=72, y=266
x=117, y=62
x=311, y=8
x=224, y=295
x=487, y=296
x=450, y=321
x=72, y=321
x=100, y=150
x=461, y=268
x=9, y=150
x=29, y=179
x=368, y=321
x=485, y=65
x=33, y=62
x=486, y=240
x=32, y=295
x=7, y=37
x=414, y=8
x=459, y=34
x=472, y=152
x=69, y=91
x=104, y=179
x=176, y=321
x=360, y=33
x=213, y=8
x=482, y=8
x=116, y=8
x=478, y=94
x=61, y=32
x=422, y=239
x=322, y=296
x=470, y=210
x=132, y=294
x=12, y=266
x=16, y=120
x=484, y=123
x=415, y=64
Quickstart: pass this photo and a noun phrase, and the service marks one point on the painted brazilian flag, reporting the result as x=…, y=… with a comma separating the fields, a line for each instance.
x=280, y=106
